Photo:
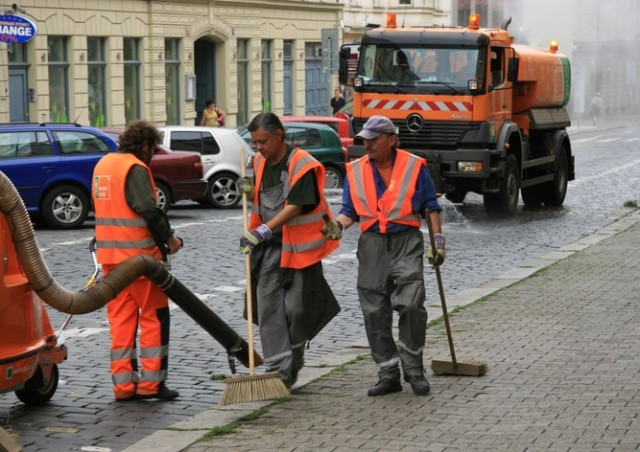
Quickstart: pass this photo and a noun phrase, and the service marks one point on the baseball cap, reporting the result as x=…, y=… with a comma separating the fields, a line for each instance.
x=376, y=125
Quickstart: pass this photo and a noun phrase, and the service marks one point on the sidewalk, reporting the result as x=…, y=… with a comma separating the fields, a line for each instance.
x=563, y=352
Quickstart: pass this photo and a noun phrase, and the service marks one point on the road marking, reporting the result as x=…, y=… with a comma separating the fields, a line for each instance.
x=634, y=163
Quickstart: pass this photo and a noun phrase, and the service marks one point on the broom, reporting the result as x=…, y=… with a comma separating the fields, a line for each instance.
x=251, y=388
x=473, y=368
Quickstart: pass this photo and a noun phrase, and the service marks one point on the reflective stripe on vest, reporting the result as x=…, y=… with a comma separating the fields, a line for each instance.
x=302, y=242
x=120, y=232
x=395, y=203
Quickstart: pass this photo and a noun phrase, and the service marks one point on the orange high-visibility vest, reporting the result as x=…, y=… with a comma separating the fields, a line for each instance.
x=395, y=203
x=302, y=242
x=120, y=232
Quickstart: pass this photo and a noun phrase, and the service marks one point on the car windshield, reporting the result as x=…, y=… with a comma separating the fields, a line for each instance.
x=420, y=69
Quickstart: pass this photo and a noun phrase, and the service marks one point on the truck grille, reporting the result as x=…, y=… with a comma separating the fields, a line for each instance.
x=432, y=135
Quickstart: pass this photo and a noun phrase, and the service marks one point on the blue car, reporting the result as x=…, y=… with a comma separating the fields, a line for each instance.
x=51, y=165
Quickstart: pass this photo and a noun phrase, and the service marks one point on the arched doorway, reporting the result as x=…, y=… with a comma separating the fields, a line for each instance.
x=205, y=65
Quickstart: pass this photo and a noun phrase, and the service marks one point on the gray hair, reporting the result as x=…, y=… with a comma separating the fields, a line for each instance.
x=268, y=121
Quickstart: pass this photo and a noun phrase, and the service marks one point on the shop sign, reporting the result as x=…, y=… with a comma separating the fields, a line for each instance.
x=16, y=29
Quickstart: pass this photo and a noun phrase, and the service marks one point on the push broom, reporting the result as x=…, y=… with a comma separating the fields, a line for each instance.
x=473, y=368
x=251, y=388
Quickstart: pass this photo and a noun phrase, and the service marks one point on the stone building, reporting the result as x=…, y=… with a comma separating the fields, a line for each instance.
x=106, y=62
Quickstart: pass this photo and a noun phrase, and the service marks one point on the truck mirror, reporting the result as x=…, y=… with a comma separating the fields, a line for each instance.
x=343, y=67
x=512, y=72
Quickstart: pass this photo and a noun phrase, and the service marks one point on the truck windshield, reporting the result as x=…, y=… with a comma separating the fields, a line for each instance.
x=421, y=69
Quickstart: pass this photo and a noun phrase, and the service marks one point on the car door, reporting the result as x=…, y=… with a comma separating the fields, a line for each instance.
x=27, y=158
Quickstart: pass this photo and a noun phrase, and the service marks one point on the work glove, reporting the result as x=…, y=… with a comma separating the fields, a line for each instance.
x=438, y=259
x=332, y=229
x=253, y=237
x=244, y=185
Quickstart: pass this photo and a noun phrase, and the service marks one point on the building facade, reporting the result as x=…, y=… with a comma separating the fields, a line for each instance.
x=107, y=62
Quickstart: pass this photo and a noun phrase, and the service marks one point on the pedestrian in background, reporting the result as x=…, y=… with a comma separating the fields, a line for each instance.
x=388, y=191
x=596, y=107
x=293, y=299
x=129, y=222
x=337, y=101
x=212, y=116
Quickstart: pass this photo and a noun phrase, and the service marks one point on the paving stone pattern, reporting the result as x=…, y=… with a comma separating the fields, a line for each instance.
x=563, y=349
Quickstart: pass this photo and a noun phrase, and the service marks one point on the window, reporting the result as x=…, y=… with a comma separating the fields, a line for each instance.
x=266, y=75
x=202, y=142
x=131, y=79
x=172, y=79
x=76, y=142
x=17, y=53
x=24, y=144
x=404, y=2
x=243, y=81
x=58, y=78
x=287, y=82
x=97, y=89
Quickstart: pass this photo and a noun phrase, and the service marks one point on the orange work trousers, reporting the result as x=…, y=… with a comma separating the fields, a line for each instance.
x=140, y=303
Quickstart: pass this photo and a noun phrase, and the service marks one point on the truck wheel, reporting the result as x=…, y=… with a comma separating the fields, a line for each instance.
x=532, y=196
x=65, y=207
x=334, y=177
x=505, y=202
x=554, y=192
x=35, y=392
x=456, y=196
x=164, y=196
x=222, y=192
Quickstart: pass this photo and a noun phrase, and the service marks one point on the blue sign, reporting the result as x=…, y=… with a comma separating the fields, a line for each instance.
x=16, y=29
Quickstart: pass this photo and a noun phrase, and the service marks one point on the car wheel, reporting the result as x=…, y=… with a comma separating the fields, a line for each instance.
x=164, y=196
x=222, y=192
x=35, y=392
x=65, y=207
x=334, y=178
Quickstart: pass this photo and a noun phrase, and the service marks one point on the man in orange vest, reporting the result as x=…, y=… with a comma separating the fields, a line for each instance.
x=129, y=222
x=388, y=191
x=294, y=301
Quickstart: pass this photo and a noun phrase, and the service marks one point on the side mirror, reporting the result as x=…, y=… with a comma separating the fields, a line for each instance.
x=512, y=71
x=343, y=67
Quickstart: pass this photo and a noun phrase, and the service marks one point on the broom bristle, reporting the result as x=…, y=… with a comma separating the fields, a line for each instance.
x=253, y=388
x=472, y=367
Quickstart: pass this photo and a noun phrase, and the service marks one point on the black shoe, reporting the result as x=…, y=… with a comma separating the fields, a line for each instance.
x=385, y=386
x=163, y=393
x=128, y=398
x=419, y=385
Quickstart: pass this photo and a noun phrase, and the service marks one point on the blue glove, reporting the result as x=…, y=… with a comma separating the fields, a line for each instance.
x=438, y=259
x=244, y=185
x=253, y=237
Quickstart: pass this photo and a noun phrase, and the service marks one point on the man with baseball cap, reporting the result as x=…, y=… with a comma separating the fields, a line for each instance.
x=388, y=191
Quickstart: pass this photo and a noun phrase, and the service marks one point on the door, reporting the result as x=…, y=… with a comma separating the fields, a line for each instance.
x=204, y=63
x=18, y=95
x=318, y=99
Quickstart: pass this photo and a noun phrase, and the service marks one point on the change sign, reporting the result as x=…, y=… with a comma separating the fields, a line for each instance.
x=16, y=29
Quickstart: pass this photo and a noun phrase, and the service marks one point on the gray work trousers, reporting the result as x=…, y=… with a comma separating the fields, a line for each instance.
x=391, y=277
x=280, y=314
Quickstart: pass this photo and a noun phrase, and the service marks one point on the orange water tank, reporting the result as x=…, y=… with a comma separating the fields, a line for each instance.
x=544, y=79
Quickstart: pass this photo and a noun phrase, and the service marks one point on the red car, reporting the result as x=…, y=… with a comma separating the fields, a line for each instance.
x=177, y=174
x=339, y=124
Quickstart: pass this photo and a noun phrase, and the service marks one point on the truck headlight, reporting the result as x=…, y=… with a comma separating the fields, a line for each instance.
x=469, y=167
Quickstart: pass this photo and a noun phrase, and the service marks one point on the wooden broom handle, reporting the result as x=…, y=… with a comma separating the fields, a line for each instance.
x=247, y=269
x=445, y=314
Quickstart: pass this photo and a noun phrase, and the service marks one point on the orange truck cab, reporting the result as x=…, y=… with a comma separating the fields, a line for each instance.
x=487, y=114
